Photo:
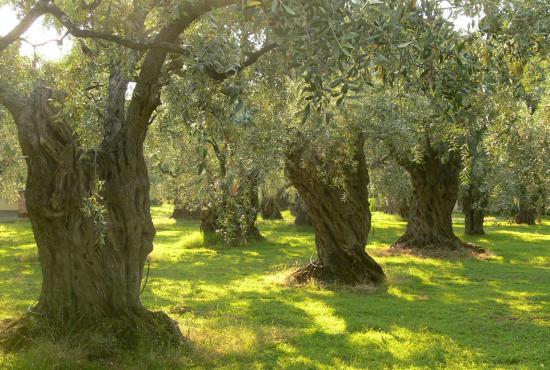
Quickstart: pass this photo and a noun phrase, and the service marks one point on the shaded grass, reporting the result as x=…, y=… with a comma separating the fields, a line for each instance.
x=463, y=313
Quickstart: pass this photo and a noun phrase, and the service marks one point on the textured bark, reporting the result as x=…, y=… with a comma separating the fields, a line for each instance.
x=301, y=213
x=473, y=220
x=341, y=218
x=89, y=271
x=474, y=203
x=405, y=208
x=270, y=209
x=435, y=192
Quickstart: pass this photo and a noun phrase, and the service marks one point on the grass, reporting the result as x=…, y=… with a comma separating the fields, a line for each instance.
x=463, y=313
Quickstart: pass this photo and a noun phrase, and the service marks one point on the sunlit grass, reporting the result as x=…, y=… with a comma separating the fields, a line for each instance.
x=233, y=305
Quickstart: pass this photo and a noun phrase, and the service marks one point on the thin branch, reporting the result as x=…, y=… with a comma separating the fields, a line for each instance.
x=146, y=95
x=58, y=41
x=77, y=31
x=36, y=11
x=251, y=59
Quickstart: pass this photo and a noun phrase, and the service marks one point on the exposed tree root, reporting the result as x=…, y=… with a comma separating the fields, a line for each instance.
x=445, y=248
x=316, y=272
x=102, y=337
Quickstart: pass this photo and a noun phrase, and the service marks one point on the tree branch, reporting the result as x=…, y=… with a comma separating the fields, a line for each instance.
x=146, y=95
x=251, y=59
x=12, y=100
x=76, y=31
x=36, y=11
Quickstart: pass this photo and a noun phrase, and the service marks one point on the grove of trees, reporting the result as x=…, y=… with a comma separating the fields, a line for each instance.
x=226, y=108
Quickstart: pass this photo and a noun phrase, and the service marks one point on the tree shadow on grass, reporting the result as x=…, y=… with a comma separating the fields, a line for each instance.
x=435, y=313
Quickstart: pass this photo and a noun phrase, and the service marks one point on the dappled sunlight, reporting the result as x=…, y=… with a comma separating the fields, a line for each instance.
x=525, y=301
x=323, y=316
x=234, y=305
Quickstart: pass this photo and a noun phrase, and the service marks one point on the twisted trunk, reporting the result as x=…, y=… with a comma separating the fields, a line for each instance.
x=341, y=218
x=92, y=240
x=435, y=192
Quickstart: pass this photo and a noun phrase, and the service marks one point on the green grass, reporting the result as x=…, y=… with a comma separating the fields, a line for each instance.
x=463, y=313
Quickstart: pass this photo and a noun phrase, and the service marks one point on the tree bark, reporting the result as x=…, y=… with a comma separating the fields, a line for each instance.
x=92, y=240
x=341, y=217
x=270, y=209
x=435, y=192
x=474, y=203
x=300, y=212
x=90, y=210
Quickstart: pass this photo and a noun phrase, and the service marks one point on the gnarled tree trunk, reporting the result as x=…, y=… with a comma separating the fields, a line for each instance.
x=92, y=240
x=341, y=217
x=435, y=192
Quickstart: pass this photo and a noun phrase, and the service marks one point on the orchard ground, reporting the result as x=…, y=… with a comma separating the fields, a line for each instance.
x=232, y=303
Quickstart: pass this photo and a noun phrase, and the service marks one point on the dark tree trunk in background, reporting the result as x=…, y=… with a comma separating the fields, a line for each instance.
x=183, y=211
x=209, y=220
x=235, y=217
x=270, y=209
x=526, y=214
x=473, y=204
x=473, y=219
x=271, y=206
x=435, y=192
x=248, y=200
x=341, y=218
x=404, y=208
x=300, y=212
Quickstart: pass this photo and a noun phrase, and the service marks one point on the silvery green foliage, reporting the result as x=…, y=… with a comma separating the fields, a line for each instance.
x=518, y=147
x=12, y=162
